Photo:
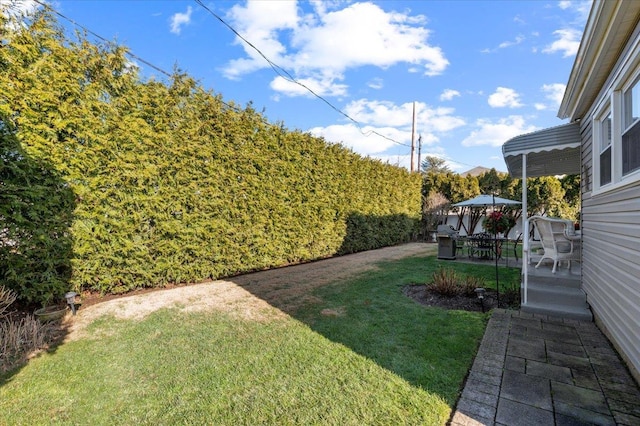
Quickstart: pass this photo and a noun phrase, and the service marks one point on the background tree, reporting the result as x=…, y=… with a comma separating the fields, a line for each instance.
x=571, y=186
x=546, y=195
x=435, y=208
x=502, y=185
x=491, y=182
x=455, y=188
x=434, y=164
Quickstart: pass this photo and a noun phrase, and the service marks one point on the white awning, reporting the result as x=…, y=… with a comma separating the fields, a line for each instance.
x=550, y=152
x=547, y=152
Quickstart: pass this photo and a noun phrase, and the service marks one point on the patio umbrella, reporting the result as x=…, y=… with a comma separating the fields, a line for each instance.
x=484, y=200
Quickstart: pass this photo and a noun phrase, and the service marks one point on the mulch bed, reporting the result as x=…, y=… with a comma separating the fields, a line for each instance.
x=425, y=296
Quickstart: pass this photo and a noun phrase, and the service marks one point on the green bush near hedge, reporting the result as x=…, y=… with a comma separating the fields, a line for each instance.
x=153, y=182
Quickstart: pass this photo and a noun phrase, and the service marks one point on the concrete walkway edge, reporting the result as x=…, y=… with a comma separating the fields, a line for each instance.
x=535, y=369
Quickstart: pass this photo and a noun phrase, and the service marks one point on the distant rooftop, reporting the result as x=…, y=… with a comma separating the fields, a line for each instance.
x=476, y=171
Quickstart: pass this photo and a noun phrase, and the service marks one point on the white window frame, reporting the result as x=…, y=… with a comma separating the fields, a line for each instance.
x=598, y=129
x=613, y=103
x=633, y=82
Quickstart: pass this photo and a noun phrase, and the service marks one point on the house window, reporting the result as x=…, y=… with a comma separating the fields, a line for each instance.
x=605, y=149
x=631, y=130
x=615, y=130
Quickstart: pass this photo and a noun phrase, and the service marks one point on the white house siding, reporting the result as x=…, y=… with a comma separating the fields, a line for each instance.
x=611, y=258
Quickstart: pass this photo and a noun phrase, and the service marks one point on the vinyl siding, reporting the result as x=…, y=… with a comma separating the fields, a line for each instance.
x=611, y=257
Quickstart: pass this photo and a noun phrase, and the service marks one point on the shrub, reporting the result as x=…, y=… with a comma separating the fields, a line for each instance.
x=469, y=285
x=7, y=297
x=121, y=183
x=510, y=295
x=35, y=215
x=445, y=282
x=19, y=337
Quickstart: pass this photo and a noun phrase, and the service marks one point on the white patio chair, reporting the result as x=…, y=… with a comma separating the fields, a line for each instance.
x=558, y=241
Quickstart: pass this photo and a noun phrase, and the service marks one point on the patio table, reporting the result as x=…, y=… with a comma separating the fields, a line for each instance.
x=485, y=246
x=481, y=245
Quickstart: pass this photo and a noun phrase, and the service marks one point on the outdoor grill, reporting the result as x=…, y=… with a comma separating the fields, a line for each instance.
x=447, y=236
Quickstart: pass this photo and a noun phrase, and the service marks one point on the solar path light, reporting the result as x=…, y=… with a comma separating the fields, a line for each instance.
x=71, y=300
x=480, y=293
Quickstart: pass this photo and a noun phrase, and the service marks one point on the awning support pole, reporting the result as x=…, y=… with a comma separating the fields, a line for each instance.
x=525, y=231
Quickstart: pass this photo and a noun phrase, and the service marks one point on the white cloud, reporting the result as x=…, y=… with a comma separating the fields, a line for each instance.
x=504, y=97
x=131, y=66
x=497, y=133
x=554, y=92
x=383, y=113
x=380, y=113
x=364, y=34
x=449, y=94
x=568, y=38
x=16, y=11
x=568, y=42
x=179, y=20
x=439, y=152
x=20, y=8
x=405, y=160
x=581, y=7
x=519, y=39
x=328, y=42
x=564, y=4
x=321, y=87
x=505, y=44
x=376, y=83
x=392, y=121
x=397, y=160
x=363, y=141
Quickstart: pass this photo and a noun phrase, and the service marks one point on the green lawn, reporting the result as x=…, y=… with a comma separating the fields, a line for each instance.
x=380, y=358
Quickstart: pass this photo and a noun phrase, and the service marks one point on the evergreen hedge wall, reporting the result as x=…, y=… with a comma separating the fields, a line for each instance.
x=169, y=183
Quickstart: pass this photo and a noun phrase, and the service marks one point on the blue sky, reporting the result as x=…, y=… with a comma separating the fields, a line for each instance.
x=479, y=72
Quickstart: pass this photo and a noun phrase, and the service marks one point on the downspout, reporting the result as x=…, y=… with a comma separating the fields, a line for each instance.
x=525, y=231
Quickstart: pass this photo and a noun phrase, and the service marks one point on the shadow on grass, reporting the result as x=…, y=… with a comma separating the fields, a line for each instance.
x=431, y=348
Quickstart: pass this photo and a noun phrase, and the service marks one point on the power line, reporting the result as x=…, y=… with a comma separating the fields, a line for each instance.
x=277, y=69
x=287, y=76
x=128, y=52
x=137, y=58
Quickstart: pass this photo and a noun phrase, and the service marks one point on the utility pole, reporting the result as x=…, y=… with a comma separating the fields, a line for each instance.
x=419, y=152
x=413, y=135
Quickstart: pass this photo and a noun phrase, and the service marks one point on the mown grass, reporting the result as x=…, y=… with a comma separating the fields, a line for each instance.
x=362, y=353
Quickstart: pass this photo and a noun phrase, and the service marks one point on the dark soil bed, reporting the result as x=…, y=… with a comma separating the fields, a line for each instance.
x=425, y=296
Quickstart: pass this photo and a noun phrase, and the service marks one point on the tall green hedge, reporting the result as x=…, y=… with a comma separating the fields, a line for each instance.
x=171, y=184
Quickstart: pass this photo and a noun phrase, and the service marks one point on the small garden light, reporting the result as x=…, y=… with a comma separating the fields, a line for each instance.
x=71, y=300
x=480, y=293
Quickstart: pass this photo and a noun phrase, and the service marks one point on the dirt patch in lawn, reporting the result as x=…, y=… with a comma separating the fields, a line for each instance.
x=259, y=296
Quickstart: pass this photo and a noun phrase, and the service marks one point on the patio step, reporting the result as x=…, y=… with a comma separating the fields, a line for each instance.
x=555, y=280
x=557, y=310
x=556, y=294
